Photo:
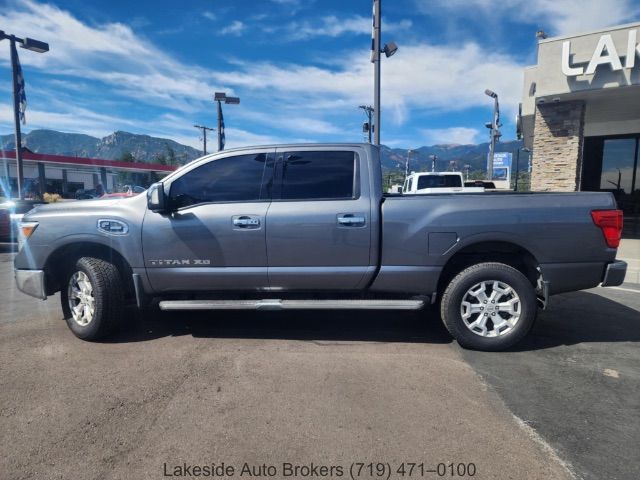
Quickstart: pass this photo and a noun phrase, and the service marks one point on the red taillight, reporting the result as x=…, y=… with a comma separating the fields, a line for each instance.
x=610, y=221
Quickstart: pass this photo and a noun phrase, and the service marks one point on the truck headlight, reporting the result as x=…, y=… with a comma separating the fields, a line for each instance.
x=25, y=230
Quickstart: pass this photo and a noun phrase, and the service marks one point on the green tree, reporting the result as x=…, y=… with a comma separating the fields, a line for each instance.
x=172, y=159
x=160, y=158
x=127, y=157
x=126, y=178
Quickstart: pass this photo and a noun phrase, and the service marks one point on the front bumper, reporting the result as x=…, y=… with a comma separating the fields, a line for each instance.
x=31, y=282
x=614, y=273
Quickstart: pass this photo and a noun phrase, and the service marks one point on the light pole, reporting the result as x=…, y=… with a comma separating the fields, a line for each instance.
x=406, y=164
x=204, y=136
x=368, y=126
x=495, y=134
x=389, y=49
x=434, y=159
x=467, y=167
x=18, y=93
x=221, y=98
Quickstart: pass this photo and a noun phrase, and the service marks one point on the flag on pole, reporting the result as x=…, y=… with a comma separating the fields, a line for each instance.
x=222, y=137
x=20, y=92
x=373, y=34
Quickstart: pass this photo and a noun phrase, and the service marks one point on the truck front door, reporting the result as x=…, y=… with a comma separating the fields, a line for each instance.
x=213, y=236
x=319, y=222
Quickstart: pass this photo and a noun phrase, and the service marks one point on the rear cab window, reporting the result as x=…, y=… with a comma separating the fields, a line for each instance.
x=439, y=181
x=318, y=175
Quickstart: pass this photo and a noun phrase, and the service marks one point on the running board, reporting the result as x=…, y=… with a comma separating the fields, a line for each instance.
x=275, y=304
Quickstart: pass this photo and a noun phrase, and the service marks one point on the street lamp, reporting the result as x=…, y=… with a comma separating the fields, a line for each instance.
x=221, y=98
x=495, y=134
x=389, y=49
x=18, y=92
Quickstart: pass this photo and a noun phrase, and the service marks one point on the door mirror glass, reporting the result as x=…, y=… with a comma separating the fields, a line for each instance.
x=156, y=198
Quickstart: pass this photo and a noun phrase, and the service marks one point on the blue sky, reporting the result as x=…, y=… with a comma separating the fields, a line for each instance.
x=301, y=67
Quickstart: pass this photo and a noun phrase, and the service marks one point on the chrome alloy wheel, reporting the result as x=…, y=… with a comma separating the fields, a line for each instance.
x=81, y=300
x=490, y=308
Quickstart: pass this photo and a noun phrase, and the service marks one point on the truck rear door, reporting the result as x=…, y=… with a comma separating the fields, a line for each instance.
x=319, y=223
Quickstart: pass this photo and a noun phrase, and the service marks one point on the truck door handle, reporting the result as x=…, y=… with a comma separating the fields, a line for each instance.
x=246, y=221
x=352, y=220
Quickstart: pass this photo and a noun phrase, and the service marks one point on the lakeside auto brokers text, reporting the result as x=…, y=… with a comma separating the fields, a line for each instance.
x=354, y=470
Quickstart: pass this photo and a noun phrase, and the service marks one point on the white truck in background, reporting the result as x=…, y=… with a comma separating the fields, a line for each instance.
x=437, y=182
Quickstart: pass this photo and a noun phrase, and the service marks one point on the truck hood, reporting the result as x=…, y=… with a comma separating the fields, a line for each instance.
x=75, y=205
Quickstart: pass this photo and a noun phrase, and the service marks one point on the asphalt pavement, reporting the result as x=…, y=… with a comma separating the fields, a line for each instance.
x=175, y=391
x=576, y=380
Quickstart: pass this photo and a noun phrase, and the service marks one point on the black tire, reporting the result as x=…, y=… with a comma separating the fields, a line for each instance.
x=451, y=305
x=108, y=298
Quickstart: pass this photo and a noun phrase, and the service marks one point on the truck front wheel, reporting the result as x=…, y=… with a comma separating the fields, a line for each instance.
x=489, y=306
x=92, y=298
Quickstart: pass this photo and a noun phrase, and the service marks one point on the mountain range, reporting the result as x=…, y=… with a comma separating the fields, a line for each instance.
x=117, y=146
x=144, y=148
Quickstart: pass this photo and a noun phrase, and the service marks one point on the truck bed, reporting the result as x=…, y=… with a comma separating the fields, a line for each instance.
x=422, y=232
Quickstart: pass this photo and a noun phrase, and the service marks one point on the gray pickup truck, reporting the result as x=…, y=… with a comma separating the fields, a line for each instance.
x=309, y=227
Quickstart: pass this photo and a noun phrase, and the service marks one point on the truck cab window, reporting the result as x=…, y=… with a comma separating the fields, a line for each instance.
x=439, y=181
x=318, y=175
x=243, y=178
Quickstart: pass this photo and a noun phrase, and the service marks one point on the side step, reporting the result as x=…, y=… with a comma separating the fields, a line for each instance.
x=275, y=304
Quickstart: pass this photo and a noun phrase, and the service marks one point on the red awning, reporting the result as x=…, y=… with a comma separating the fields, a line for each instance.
x=88, y=162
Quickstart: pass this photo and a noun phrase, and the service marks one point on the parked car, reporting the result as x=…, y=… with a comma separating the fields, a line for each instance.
x=126, y=191
x=308, y=227
x=437, y=182
x=86, y=194
x=9, y=208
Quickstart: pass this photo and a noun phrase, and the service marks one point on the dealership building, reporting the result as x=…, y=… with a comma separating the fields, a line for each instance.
x=66, y=175
x=581, y=114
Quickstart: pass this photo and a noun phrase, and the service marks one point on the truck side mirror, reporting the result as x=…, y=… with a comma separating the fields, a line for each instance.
x=156, y=198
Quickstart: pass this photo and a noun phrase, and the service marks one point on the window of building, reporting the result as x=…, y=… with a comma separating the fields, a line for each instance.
x=612, y=164
x=318, y=175
x=618, y=164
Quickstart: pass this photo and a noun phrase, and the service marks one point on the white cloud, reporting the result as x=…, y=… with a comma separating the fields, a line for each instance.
x=74, y=119
x=557, y=17
x=576, y=16
x=332, y=26
x=419, y=76
x=239, y=138
x=209, y=15
x=302, y=99
x=235, y=28
x=453, y=135
x=292, y=121
x=110, y=53
x=287, y=2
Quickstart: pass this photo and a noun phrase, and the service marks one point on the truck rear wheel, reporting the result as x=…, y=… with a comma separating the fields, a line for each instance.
x=489, y=306
x=92, y=298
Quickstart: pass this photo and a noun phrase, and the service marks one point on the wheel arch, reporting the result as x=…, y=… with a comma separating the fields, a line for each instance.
x=60, y=260
x=503, y=251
